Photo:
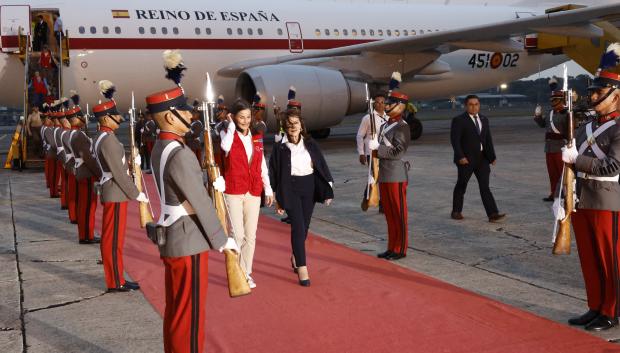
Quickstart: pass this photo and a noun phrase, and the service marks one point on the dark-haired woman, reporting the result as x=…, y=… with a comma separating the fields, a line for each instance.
x=300, y=178
x=246, y=176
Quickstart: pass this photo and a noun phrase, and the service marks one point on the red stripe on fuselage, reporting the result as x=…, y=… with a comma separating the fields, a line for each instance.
x=213, y=44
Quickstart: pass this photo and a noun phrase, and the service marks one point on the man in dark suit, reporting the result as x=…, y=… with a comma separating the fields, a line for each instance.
x=473, y=153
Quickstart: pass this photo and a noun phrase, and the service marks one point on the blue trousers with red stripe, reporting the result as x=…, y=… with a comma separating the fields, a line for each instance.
x=394, y=202
x=596, y=234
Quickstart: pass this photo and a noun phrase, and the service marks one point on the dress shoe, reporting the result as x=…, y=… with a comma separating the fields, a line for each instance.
x=384, y=254
x=304, y=279
x=63, y=208
x=73, y=222
x=91, y=241
x=381, y=208
x=127, y=287
x=548, y=198
x=286, y=220
x=602, y=323
x=497, y=217
x=456, y=215
x=396, y=256
x=584, y=319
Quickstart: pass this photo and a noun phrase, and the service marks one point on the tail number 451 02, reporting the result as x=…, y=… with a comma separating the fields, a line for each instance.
x=495, y=60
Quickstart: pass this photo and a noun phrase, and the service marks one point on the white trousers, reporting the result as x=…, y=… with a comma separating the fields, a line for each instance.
x=244, y=212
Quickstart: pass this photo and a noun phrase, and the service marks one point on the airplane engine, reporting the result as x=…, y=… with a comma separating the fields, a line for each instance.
x=326, y=95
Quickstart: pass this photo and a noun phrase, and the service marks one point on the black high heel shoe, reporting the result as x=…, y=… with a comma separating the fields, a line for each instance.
x=303, y=273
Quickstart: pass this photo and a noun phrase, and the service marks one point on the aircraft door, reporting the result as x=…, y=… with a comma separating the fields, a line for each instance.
x=295, y=38
x=12, y=18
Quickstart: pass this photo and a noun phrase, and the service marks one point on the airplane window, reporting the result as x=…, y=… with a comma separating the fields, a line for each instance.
x=197, y=30
x=326, y=32
x=82, y=29
x=93, y=29
x=336, y=32
x=413, y=32
x=164, y=30
x=405, y=33
x=229, y=31
x=141, y=30
x=389, y=32
x=372, y=32
x=105, y=30
x=354, y=32
x=250, y=31
x=397, y=33
x=380, y=32
x=363, y=32
x=153, y=30
x=175, y=30
x=436, y=30
x=317, y=32
x=239, y=31
x=260, y=31
x=345, y=32
x=280, y=32
x=117, y=30
x=208, y=31
x=421, y=31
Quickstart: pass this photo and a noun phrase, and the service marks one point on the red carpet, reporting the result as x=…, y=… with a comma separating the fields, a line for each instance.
x=357, y=303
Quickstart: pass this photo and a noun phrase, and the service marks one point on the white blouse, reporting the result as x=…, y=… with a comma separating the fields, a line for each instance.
x=301, y=163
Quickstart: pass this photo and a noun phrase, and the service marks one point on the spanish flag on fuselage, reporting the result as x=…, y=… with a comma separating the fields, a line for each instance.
x=120, y=13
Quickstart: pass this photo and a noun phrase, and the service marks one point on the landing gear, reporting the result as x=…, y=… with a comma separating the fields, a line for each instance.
x=320, y=134
x=415, y=128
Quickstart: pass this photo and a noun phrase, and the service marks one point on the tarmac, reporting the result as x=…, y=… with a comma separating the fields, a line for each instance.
x=53, y=294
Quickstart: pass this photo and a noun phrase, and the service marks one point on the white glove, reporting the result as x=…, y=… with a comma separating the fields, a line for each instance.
x=558, y=209
x=231, y=244
x=569, y=155
x=373, y=144
x=142, y=197
x=138, y=160
x=538, y=111
x=219, y=184
x=277, y=138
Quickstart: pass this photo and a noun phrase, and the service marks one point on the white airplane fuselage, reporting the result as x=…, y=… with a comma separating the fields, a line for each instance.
x=212, y=36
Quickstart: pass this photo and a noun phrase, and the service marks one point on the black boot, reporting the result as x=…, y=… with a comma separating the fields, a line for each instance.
x=584, y=319
x=602, y=323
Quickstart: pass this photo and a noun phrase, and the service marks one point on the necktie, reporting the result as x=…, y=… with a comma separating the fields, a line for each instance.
x=477, y=124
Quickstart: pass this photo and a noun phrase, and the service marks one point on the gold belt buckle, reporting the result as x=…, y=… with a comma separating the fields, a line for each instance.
x=591, y=140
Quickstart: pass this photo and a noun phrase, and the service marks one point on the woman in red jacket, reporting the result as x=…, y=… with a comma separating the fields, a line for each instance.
x=246, y=176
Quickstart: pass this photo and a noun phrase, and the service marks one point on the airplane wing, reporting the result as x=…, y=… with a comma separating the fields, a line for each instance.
x=489, y=37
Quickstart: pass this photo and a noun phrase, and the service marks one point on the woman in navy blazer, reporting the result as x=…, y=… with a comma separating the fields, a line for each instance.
x=300, y=178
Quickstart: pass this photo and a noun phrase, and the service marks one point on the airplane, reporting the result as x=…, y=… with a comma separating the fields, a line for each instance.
x=327, y=50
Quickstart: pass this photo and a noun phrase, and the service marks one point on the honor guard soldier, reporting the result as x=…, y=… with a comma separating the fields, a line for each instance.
x=86, y=173
x=596, y=159
x=221, y=118
x=192, y=138
x=188, y=218
x=117, y=189
x=70, y=159
x=52, y=155
x=62, y=153
x=390, y=148
x=556, y=124
x=149, y=136
x=259, y=128
x=46, y=132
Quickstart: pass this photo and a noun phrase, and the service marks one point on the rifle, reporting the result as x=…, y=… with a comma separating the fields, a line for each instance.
x=561, y=238
x=237, y=284
x=371, y=193
x=146, y=214
x=276, y=113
